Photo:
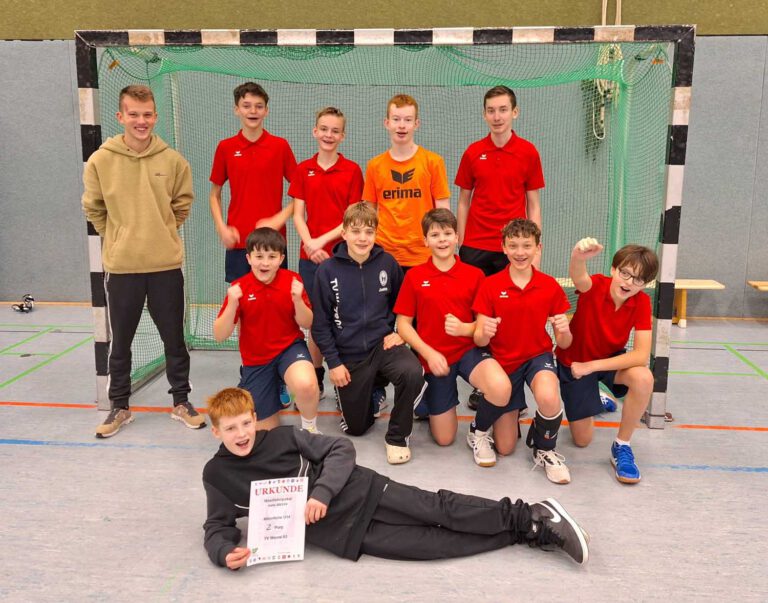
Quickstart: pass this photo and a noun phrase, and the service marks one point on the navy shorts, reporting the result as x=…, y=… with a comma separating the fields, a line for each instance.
x=307, y=270
x=442, y=394
x=581, y=397
x=525, y=374
x=263, y=381
x=236, y=264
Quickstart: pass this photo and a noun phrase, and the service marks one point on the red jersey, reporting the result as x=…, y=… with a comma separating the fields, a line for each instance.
x=522, y=333
x=266, y=316
x=255, y=171
x=428, y=294
x=498, y=177
x=599, y=329
x=326, y=193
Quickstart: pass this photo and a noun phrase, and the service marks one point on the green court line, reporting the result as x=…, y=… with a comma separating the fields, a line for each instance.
x=713, y=374
x=45, y=362
x=23, y=341
x=723, y=343
x=747, y=361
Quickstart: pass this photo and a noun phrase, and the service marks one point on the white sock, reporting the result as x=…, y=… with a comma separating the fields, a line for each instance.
x=309, y=424
x=621, y=442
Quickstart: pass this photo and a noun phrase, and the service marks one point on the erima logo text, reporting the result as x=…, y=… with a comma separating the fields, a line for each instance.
x=399, y=193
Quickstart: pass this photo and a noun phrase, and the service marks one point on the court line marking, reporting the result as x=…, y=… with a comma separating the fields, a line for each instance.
x=747, y=361
x=335, y=413
x=23, y=341
x=45, y=362
x=713, y=374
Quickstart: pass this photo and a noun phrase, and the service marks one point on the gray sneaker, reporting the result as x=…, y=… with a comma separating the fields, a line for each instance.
x=116, y=418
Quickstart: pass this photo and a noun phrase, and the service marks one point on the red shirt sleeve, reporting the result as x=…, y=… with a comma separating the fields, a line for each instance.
x=296, y=189
x=355, y=186
x=219, y=167
x=289, y=163
x=535, y=179
x=224, y=307
x=483, y=304
x=560, y=303
x=464, y=177
x=406, y=299
x=643, y=314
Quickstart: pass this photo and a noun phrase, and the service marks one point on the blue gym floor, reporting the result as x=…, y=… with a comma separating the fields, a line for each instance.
x=120, y=519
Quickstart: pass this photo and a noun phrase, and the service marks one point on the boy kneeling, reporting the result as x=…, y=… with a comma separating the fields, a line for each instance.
x=609, y=307
x=353, y=510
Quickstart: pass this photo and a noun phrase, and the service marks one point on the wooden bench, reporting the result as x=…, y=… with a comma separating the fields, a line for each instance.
x=759, y=285
x=682, y=285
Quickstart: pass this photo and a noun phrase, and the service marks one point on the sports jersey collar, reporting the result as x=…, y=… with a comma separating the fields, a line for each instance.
x=335, y=167
x=507, y=148
x=607, y=299
x=432, y=269
x=244, y=142
x=535, y=281
x=257, y=284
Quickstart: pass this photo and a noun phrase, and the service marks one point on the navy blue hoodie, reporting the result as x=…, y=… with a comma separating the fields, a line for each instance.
x=352, y=304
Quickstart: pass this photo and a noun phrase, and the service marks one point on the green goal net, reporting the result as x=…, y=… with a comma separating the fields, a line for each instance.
x=598, y=114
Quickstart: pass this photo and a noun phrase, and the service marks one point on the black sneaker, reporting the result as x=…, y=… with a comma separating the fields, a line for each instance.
x=552, y=527
x=474, y=399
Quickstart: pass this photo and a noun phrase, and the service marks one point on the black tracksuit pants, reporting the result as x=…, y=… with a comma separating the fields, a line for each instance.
x=398, y=366
x=164, y=295
x=414, y=524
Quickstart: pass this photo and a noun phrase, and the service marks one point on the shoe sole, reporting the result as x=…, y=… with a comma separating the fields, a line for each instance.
x=623, y=480
x=581, y=534
x=103, y=436
x=178, y=418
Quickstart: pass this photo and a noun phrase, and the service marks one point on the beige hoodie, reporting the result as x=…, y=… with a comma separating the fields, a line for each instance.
x=137, y=202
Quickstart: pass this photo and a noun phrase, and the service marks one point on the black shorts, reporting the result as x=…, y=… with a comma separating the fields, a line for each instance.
x=581, y=397
x=442, y=394
x=490, y=262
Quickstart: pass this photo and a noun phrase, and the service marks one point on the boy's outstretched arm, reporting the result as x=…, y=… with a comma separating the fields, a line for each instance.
x=462, y=211
x=221, y=532
x=337, y=457
x=229, y=235
x=224, y=325
x=302, y=312
x=637, y=356
x=584, y=250
x=533, y=206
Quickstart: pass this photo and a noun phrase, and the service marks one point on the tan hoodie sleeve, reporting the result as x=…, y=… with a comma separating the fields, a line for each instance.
x=183, y=193
x=93, y=200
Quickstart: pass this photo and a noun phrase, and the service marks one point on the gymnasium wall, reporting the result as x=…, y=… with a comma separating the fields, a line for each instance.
x=725, y=209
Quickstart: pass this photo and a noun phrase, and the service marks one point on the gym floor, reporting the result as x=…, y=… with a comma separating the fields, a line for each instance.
x=121, y=519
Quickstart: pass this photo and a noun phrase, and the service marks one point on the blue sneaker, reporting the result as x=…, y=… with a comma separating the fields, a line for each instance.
x=624, y=463
x=379, y=401
x=609, y=404
x=285, y=397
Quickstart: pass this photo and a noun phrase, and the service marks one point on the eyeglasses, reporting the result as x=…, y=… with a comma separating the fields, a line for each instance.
x=628, y=276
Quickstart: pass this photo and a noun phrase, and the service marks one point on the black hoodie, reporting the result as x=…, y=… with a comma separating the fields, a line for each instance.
x=352, y=304
x=351, y=492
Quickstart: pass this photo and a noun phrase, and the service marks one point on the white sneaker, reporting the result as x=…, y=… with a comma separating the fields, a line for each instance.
x=481, y=444
x=554, y=465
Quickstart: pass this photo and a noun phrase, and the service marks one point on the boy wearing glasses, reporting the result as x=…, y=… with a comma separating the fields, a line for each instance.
x=608, y=308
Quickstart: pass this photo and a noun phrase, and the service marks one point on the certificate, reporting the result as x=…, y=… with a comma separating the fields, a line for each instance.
x=276, y=520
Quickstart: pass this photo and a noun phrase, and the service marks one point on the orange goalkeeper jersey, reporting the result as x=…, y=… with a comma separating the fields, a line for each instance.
x=404, y=191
